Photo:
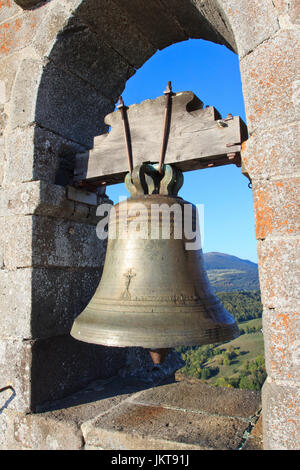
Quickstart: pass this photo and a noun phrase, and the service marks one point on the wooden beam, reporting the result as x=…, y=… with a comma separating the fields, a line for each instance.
x=198, y=136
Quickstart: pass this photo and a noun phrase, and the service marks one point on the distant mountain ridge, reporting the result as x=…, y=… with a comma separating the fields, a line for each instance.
x=229, y=273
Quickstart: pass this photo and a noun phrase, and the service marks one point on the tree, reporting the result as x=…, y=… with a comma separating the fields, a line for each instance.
x=226, y=361
x=205, y=374
x=246, y=382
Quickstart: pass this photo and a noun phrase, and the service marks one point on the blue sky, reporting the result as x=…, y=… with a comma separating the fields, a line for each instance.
x=212, y=73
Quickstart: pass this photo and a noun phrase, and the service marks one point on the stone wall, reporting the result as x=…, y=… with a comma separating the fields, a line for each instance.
x=62, y=66
x=51, y=258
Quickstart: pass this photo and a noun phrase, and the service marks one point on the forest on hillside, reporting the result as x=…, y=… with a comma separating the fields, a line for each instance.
x=239, y=363
x=242, y=305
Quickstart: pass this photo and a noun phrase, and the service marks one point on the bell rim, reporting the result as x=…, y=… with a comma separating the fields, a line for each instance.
x=113, y=338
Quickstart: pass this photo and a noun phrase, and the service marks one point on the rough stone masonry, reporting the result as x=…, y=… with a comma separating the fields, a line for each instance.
x=62, y=66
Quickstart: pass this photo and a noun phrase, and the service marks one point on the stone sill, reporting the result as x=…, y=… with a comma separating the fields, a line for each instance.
x=126, y=414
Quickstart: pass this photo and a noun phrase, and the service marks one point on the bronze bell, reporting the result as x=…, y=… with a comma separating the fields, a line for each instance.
x=154, y=292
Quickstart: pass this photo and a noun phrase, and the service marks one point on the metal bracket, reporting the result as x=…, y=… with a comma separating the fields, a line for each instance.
x=147, y=179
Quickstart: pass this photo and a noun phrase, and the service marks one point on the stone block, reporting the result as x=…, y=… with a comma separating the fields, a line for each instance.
x=58, y=296
x=58, y=101
x=62, y=366
x=276, y=205
x=54, y=22
x=93, y=400
x=273, y=153
x=131, y=426
x=198, y=397
x=69, y=106
x=2, y=164
x=252, y=22
x=18, y=32
x=290, y=9
x=83, y=53
x=109, y=402
x=112, y=23
x=41, y=303
x=51, y=200
x=282, y=342
x=204, y=20
x=24, y=95
x=155, y=22
x=280, y=416
x=2, y=92
x=15, y=237
x=279, y=271
x=8, y=8
x=8, y=70
x=15, y=303
x=15, y=361
x=7, y=394
x=35, y=153
x=46, y=241
x=35, y=197
x=59, y=429
x=3, y=120
x=269, y=75
x=41, y=371
x=66, y=243
x=181, y=415
x=38, y=432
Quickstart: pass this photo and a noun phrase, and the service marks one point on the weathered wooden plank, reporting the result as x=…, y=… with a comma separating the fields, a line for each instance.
x=196, y=136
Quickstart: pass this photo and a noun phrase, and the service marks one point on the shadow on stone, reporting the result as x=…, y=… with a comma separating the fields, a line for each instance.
x=138, y=373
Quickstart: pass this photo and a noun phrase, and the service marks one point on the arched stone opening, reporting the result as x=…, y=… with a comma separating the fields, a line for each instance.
x=57, y=104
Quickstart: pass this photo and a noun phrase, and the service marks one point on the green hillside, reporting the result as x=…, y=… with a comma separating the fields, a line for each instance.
x=228, y=273
x=244, y=305
x=238, y=363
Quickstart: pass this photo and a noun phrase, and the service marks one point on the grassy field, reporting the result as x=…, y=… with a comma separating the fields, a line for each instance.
x=218, y=274
x=256, y=322
x=248, y=346
x=228, y=280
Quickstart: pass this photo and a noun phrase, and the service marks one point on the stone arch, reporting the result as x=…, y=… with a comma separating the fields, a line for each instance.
x=56, y=105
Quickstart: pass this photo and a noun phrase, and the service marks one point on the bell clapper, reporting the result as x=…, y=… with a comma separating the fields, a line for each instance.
x=158, y=355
